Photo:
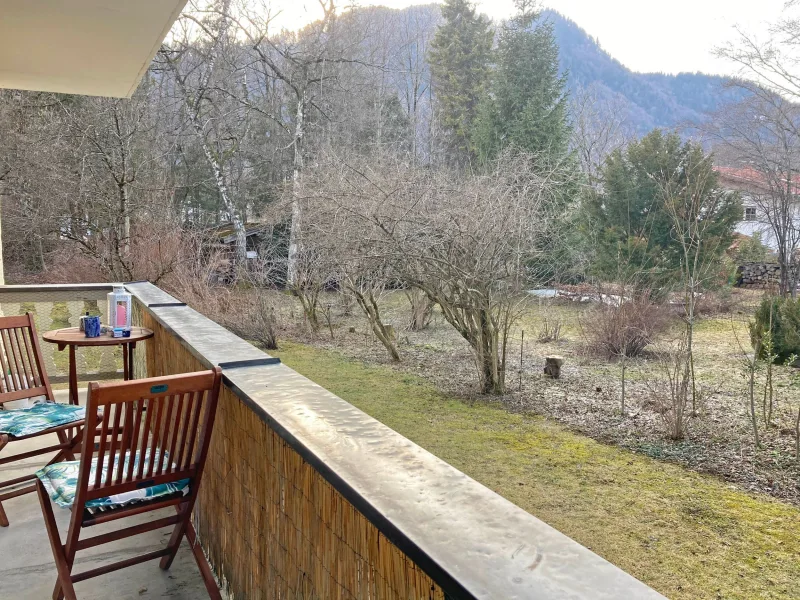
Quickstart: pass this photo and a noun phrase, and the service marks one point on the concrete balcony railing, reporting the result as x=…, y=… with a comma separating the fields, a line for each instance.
x=306, y=496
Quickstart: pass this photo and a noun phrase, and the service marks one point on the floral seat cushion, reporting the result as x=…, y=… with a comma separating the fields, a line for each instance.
x=40, y=417
x=61, y=482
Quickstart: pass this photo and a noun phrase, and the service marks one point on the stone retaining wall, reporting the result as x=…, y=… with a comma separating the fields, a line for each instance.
x=758, y=275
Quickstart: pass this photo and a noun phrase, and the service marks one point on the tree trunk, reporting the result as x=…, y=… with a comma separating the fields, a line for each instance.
x=310, y=302
x=421, y=309
x=493, y=375
x=294, y=230
x=368, y=304
x=752, y=393
x=224, y=193
x=125, y=226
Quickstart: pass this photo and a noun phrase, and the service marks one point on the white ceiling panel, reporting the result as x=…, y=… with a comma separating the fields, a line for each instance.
x=92, y=47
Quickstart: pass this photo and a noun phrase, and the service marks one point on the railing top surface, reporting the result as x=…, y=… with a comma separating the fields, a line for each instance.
x=211, y=343
x=149, y=294
x=56, y=287
x=471, y=541
x=444, y=520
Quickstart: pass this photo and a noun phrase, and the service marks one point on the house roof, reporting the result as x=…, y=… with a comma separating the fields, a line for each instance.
x=91, y=47
x=748, y=178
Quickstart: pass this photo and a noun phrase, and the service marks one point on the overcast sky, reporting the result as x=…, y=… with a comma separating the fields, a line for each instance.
x=645, y=35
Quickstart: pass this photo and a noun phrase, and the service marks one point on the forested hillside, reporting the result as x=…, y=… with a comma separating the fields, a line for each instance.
x=648, y=100
x=645, y=100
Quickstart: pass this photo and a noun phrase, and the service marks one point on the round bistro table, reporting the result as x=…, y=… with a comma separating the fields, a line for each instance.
x=73, y=337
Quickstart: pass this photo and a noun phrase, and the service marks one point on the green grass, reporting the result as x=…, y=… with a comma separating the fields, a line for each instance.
x=687, y=535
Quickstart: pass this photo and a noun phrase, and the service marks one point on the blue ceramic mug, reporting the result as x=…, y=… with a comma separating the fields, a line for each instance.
x=92, y=327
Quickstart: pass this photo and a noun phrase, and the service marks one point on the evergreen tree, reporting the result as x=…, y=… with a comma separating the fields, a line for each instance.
x=459, y=58
x=526, y=107
x=637, y=240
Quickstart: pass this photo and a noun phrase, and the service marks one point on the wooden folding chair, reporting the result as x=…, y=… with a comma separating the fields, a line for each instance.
x=23, y=376
x=151, y=439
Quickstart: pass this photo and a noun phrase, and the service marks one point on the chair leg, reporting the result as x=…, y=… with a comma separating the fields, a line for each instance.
x=202, y=563
x=63, y=438
x=64, y=586
x=3, y=516
x=176, y=537
x=68, y=453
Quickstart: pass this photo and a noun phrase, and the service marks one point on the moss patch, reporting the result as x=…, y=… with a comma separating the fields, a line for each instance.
x=687, y=535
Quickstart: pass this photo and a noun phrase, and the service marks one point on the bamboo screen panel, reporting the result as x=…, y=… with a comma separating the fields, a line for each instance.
x=271, y=525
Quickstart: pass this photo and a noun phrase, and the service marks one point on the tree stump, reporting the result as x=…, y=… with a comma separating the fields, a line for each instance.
x=552, y=366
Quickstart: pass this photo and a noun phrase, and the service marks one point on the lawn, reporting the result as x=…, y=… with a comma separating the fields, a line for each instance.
x=688, y=535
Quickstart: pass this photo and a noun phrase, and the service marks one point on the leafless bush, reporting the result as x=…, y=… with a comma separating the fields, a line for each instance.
x=253, y=318
x=347, y=303
x=624, y=330
x=670, y=388
x=465, y=241
x=549, y=330
x=715, y=303
x=193, y=279
x=314, y=270
x=367, y=291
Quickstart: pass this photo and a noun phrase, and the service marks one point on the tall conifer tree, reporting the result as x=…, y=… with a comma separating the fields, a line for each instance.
x=460, y=64
x=526, y=106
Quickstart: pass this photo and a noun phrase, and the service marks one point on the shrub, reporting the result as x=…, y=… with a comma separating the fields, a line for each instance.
x=751, y=249
x=549, y=330
x=715, y=302
x=253, y=319
x=780, y=317
x=670, y=389
x=625, y=330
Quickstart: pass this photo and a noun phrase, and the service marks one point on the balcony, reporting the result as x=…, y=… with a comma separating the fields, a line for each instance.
x=304, y=496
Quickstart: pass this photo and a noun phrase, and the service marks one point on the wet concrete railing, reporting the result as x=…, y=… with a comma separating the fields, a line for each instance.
x=306, y=496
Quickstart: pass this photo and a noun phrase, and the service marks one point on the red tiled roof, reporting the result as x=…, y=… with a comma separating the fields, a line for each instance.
x=747, y=176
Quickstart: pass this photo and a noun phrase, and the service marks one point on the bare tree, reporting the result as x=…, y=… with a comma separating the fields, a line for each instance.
x=367, y=288
x=197, y=71
x=770, y=128
x=305, y=63
x=120, y=162
x=773, y=62
x=670, y=389
x=421, y=309
x=694, y=204
x=598, y=129
x=761, y=136
x=466, y=242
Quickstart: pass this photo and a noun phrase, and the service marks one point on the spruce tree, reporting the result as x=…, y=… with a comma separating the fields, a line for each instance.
x=460, y=63
x=526, y=107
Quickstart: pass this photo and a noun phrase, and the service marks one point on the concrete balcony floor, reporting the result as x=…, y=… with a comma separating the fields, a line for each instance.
x=27, y=570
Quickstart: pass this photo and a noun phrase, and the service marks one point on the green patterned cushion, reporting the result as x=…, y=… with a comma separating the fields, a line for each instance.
x=61, y=480
x=40, y=417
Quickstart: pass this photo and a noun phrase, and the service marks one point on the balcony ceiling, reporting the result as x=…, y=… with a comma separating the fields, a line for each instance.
x=91, y=47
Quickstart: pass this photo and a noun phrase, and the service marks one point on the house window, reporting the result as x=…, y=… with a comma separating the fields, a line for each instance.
x=750, y=213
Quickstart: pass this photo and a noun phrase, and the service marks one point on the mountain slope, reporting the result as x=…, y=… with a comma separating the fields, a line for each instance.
x=644, y=100
x=648, y=100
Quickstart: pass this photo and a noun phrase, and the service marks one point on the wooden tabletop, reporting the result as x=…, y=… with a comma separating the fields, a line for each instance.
x=73, y=336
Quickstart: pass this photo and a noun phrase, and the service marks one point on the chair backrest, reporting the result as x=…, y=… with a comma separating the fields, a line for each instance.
x=23, y=374
x=164, y=422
